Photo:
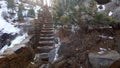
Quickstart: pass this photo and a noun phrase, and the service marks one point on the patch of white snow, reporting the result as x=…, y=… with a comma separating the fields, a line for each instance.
x=18, y=40
x=105, y=37
x=57, y=48
x=111, y=37
x=101, y=52
x=32, y=63
x=36, y=9
x=103, y=49
x=110, y=13
x=102, y=36
x=3, y=49
x=103, y=8
x=7, y=27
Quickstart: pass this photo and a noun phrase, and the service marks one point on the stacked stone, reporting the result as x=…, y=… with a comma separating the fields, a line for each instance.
x=44, y=39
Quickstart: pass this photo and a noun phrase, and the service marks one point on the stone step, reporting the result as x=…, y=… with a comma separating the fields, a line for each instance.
x=42, y=56
x=44, y=49
x=48, y=23
x=46, y=44
x=45, y=32
x=47, y=28
x=43, y=66
x=46, y=35
x=46, y=38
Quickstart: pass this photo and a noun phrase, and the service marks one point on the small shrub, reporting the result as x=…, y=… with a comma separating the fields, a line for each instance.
x=102, y=19
x=64, y=19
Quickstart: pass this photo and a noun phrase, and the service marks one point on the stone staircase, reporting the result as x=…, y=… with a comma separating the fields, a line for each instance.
x=47, y=36
x=46, y=44
x=43, y=39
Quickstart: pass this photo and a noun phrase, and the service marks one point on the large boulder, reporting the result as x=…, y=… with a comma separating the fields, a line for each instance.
x=103, y=60
x=116, y=14
x=111, y=6
x=17, y=57
x=114, y=7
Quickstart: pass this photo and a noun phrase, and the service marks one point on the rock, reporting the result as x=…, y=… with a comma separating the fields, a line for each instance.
x=43, y=66
x=42, y=56
x=104, y=60
x=39, y=61
x=112, y=5
x=58, y=63
x=52, y=55
x=116, y=14
x=69, y=49
x=17, y=57
x=44, y=49
x=55, y=63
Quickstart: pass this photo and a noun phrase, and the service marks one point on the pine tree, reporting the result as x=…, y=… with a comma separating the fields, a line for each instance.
x=11, y=4
x=20, y=14
x=31, y=13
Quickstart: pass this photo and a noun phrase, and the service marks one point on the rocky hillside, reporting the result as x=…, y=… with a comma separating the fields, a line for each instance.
x=16, y=18
x=68, y=34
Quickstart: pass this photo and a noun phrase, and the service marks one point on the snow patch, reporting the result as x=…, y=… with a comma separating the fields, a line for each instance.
x=74, y=28
x=110, y=13
x=36, y=9
x=110, y=37
x=3, y=49
x=102, y=36
x=102, y=50
x=7, y=27
x=105, y=37
x=103, y=8
x=32, y=63
x=57, y=48
x=18, y=40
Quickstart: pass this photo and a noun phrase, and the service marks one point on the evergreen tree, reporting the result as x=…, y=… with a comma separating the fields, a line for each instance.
x=20, y=12
x=11, y=4
x=31, y=13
